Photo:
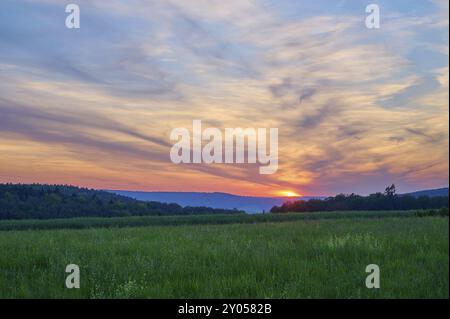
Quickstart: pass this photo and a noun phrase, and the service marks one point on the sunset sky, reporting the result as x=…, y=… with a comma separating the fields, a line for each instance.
x=356, y=108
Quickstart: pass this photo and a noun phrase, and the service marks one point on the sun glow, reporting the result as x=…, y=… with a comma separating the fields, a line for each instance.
x=289, y=194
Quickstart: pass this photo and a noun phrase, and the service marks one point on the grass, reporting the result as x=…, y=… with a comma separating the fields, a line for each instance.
x=134, y=221
x=300, y=256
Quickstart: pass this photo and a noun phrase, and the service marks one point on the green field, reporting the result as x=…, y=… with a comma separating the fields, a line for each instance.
x=319, y=255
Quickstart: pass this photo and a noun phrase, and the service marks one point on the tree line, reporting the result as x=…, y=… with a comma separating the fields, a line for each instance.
x=388, y=200
x=37, y=201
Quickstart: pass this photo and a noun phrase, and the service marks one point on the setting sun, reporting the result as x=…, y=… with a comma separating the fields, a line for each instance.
x=289, y=194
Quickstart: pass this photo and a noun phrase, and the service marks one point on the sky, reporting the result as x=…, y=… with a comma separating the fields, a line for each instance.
x=356, y=109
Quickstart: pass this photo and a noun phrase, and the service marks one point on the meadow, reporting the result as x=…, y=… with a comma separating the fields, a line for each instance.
x=318, y=255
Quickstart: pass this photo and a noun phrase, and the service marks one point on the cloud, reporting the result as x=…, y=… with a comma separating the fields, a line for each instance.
x=354, y=106
x=74, y=130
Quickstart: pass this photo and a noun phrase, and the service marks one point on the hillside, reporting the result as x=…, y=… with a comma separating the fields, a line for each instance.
x=388, y=200
x=35, y=201
x=430, y=192
x=249, y=204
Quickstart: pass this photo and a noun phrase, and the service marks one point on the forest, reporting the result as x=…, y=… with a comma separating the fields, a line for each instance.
x=37, y=201
x=389, y=200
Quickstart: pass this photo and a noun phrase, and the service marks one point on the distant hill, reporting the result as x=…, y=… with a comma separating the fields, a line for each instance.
x=36, y=201
x=248, y=204
x=430, y=192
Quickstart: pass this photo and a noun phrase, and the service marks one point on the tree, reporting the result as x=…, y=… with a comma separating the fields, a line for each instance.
x=37, y=201
x=389, y=200
x=390, y=191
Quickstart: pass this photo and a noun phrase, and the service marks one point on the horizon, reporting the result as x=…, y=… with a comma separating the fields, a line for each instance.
x=224, y=193
x=356, y=109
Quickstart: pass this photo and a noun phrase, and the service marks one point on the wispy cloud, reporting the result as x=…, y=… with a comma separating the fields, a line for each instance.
x=356, y=108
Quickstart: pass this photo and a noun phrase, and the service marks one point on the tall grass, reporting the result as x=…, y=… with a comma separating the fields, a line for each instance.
x=302, y=258
x=97, y=222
